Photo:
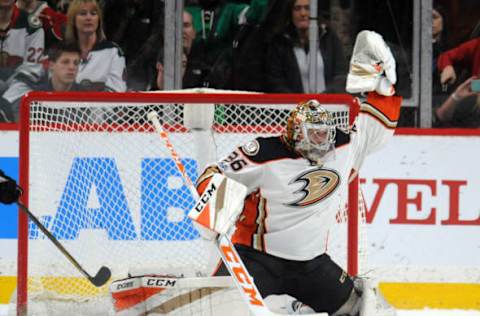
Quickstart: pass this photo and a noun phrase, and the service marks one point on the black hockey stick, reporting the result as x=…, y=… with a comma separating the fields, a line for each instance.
x=102, y=276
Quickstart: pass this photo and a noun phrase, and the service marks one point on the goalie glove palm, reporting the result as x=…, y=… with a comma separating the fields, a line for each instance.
x=372, y=66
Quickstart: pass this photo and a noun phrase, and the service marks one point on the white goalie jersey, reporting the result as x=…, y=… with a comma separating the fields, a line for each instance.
x=291, y=202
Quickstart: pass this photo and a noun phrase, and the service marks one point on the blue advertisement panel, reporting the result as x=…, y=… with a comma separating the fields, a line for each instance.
x=103, y=177
x=9, y=222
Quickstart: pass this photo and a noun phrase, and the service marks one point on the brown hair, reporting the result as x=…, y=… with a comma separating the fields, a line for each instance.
x=71, y=33
x=58, y=49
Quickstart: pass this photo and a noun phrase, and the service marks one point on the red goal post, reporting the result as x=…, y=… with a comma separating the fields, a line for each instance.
x=97, y=175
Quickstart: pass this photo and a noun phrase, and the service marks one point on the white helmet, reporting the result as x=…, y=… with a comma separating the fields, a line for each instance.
x=311, y=130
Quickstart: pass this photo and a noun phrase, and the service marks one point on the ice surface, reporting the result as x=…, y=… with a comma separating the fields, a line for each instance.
x=426, y=312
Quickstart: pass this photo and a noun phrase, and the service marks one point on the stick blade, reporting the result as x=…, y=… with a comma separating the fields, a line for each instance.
x=102, y=276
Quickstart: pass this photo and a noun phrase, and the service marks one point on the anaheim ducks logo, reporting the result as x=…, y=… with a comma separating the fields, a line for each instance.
x=317, y=185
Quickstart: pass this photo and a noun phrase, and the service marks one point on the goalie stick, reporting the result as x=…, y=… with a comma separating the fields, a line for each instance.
x=102, y=276
x=242, y=279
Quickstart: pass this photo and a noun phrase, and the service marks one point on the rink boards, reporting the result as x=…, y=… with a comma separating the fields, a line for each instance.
x=423, y=215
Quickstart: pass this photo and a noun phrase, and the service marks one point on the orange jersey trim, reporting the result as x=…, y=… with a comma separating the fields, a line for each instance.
x=386, y=124
x=386, y=107
x=250, y=227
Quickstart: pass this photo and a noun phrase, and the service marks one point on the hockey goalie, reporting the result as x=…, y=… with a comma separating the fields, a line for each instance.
x=287, y=192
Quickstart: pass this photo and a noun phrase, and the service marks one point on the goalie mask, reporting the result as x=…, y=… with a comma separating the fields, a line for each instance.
x=311, y=131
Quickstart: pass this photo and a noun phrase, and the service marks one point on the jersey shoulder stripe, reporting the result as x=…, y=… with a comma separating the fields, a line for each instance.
x=265, y=149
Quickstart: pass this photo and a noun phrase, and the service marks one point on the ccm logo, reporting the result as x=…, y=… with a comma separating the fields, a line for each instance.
x=242, y=276
x=205, y=197
x=124, y=285
x=154, y=282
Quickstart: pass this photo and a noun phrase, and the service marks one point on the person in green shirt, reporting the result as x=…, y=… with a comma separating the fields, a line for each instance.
x=216, y=23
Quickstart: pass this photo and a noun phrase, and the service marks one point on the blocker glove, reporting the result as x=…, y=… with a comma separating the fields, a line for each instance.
x=9, y=190
x=372, y=66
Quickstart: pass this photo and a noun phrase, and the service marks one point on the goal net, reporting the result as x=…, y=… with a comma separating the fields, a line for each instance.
x=103, y=183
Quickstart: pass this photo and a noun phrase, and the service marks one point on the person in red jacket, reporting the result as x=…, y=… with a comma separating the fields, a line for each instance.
x=53, y=22
x=466, y=55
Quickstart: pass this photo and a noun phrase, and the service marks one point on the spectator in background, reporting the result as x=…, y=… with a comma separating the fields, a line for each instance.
x=475, y=31
x=439, y=45
x=216, y=23
x=287, y=67
x=61, y=5
x=21, y=44
x=250, y=47
x=392, y=19
x=53, y=22
x=159, y=81
x=464, y=56
x=150, y=66
x=63, y=62
x=189, y=33
x=461, y=109
x=102, y=65
x=130, y=23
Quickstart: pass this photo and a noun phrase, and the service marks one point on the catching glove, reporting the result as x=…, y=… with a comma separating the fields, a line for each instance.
x=372, y=66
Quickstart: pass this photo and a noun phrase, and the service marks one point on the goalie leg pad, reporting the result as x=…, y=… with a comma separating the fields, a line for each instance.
x=128, y=296
x=131, y=296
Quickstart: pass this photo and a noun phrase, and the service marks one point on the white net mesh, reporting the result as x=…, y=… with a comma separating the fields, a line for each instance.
x=102, y=181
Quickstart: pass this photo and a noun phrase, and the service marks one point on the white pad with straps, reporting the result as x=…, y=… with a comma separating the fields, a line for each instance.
x=285, y=304
x=220, y=205
x=372, y=66
x=140, y=295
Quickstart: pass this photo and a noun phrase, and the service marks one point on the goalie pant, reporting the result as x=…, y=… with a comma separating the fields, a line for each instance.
x=288, y=212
